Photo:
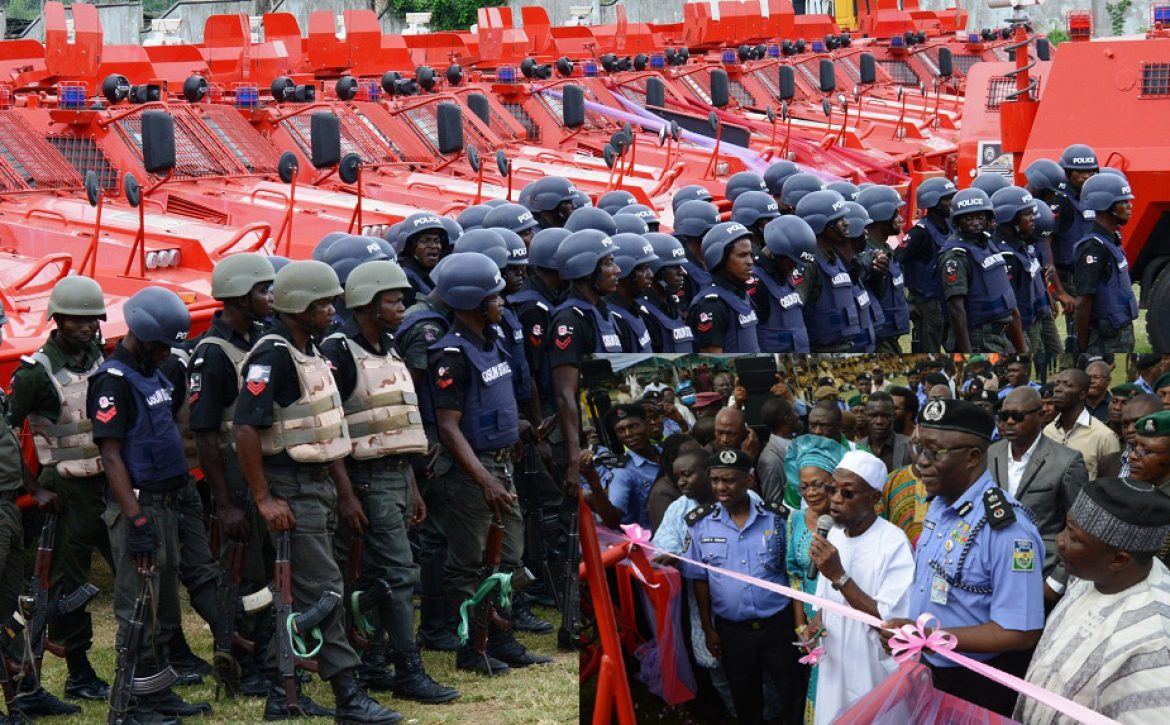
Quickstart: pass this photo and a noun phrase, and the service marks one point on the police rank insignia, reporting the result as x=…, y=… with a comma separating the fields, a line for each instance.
x=1151, y=426
x=1023, y=555
x=257, y=378
x=934, y=411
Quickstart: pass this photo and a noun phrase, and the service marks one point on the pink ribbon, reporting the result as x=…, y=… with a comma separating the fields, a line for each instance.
x=812, y=657
x=910, y=639
x=913, y=637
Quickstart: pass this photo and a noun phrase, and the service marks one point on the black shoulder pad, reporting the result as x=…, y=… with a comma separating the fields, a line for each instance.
x=693, y=517
x=775, y=507
x=999, y=512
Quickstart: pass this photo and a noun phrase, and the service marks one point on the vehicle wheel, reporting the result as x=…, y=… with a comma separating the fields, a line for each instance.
x=1157, y=323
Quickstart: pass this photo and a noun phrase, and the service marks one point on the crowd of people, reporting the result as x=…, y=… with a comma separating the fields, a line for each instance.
x=1030, y=520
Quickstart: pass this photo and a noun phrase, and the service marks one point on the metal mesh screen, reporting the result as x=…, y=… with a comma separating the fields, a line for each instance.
x=900, y=72
x=1155, y=80
x=593, y=120
x=248, y=146
x=811, y=75
x=425, y=119
x=31, y=158
x=850, y=67
x=83, y=155
x=999, y=88
x=741, y=94
x=930, y=60
x=964, y=61
x=768, y=79
x=701, y=90
x=374, y=118
x=359, y=136
x=198, y=153
x=518, y=113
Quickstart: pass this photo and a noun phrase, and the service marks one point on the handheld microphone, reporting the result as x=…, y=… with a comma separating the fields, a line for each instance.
x=824, y=523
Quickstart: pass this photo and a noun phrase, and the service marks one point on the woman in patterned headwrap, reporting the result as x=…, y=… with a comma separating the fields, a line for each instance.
x=816, y=459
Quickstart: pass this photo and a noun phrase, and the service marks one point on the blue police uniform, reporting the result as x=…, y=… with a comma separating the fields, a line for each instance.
x=491, y=418
x=990, y=297
x=153, y=449
x=1003, y=392
x=512, y=337
x=740, y=335
x=891, y=297
x=783, y=330
x=1114, y=303
x=1080, y=219
x=674, y=334
x=968, y=572
x=697, y=277
x=633, y=317
x=833, y=317
x=754, y=624
x=922, y=271
x=871, y=317
x=606, y=336
x=629, y=488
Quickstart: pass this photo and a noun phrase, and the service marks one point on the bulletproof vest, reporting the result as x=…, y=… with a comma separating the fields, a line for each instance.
x=922, y=274
x=1063, y=245
x=870, y=315
x=512, y=338
x=697, y=278
x=990, y=296
x=67, y=442
x=892, y=301
x=636, y=323
x=236, y=357
x=491, y=418
x=426, y=403
x=521, y=302
x=416, y=280
x=11, y=461
x=784, y=330
x=1113, y=300
x=676, y=334
x=833, y=316
x=740, y=335
x=1030, y=298
x=183, y=417
x=312, y=429
x=153, y=448
x=605, y=332
x=382, y=411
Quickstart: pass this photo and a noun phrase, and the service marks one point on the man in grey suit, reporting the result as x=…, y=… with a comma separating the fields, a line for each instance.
x=1041, y=473
x=883, y=441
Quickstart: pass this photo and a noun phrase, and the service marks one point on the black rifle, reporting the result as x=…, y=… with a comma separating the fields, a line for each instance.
x=43, y=608
x=9, y=642
x=536, y=548
x=126, y=685
x=289, y=623
x=231, y=607
x=361, y=600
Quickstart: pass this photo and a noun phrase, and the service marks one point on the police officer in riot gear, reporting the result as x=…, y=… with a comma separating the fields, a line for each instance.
x=591, y=218
x=884, y=206
x=291, y=436
x=644, y=213
x=861, y=267
x=796, y=187
x=831, y=314
x=722, y=313
x=48, y=390
x=512, y=217
x=789, y=245
x=692, y=221
x=918, y=256
x=667, y=323
x=132, y=406
x=478, y=425
x=550, y=199
x=775, y=176
x=630, y=224
x=1079, y=163
x=981, y=303
x=1044, y=181
x=694, y=192
x=1106, y=306
x=634, y=257
x=385, y=428
x=754, y=209
x=741, y=183
x=1015, y=232
x=612, y=201
x=424, y=243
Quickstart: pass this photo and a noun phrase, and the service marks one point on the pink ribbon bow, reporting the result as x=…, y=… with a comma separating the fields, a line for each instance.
x=813, y=657
x=910, y=639
x=636, y=534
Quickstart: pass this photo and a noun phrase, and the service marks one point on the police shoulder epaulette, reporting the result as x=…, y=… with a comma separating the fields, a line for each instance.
x=452, y=349
x=709, y=296
x=999, y=511
x=775, y=507
x=693, y=517
x=115, y=371
x=624, y=460
x=542, y=306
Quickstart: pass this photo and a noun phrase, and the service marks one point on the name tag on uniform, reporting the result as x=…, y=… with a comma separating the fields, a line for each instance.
x=713, y=540
x=611, y=341
x=899, y=281
x=863, y=299
x=938, y=591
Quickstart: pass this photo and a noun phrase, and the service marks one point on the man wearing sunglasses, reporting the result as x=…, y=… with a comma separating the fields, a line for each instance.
x=978, y=562
x=1042, y=474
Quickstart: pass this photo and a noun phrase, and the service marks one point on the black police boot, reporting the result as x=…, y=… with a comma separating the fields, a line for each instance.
x=434, y=630
x=276, y=708
x=168, y=702
x=411, y=681
x=34, y=701
x=466, y=658
x=355, y=707
x=83, y=683
x=524, y=620
x=139, y=714
x=190, y=667
x=504, y=647
x=253, y=683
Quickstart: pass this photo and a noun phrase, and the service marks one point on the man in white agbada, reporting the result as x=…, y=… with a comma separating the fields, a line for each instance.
x=1107, y=643
x=865, y=563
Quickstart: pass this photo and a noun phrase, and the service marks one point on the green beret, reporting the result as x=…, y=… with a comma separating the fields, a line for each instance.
x=1125, y=390
x=1157, y=424
x=857, y=400
x=1162, y=381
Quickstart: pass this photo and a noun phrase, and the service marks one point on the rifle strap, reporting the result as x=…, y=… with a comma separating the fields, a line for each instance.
x=505, y=584
x=361, y=623
x=299, y=648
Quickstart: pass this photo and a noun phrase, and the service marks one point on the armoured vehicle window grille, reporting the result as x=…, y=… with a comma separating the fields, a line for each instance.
x=692, y=83
x=998, y=90
x=593, y=120
x=1155, y=80
x=31, y=158
x=806, y=71
x=930, y=60
x=850, y=68
x=766, y=77
x=425, y=119
x=84, y=155
x=741, y=94
x=964, y=61
x=633, y=94
x=367, y=114
x=197, y=152
x=518, y=113
x=426, y=124
x=499, y=124
x=900, y=72
x=10, y=180
x=245, y=142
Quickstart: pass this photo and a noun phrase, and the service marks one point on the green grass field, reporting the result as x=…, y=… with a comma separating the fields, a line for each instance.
x=541, y=694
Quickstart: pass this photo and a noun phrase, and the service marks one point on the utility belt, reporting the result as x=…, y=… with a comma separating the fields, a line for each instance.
x=311, y=471
x=994, y=328
x=755, y=625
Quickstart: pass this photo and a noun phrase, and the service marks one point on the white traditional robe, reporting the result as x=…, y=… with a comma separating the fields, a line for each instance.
x=882, y=565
